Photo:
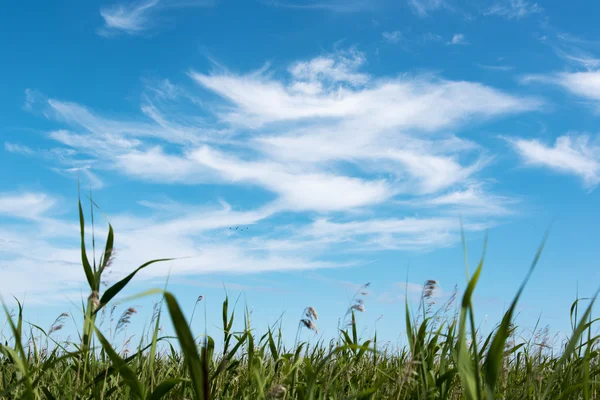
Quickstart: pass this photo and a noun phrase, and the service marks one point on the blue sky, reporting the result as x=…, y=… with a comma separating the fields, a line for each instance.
x=293, y=151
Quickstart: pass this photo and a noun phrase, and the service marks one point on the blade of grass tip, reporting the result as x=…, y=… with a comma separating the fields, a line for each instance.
x=93, y=233
x=473, y=329
x=105, y=259
x=117, y=287
x=108, y=249
x=466, y=371
x=273, y=347
x=18, y=354
x=87, y=268
x=225, y=331
x=495, y=354
x=409, y=329
x=571, y=345
x=188, y=345
x=128, y=375
x=164, y=388
x=354, y=331
x=19, y=327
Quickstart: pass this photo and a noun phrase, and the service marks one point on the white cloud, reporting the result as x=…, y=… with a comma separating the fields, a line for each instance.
x=423, y=7
x=299, y=190
x=47, y=247
x=583, y=84
x=327, y=113
x=417, y=102
x=25, y=205
x=17, y=148
x=132, y=19
x=458, y=38
x=340, y=68
x=325, y=139
x=574, y=155
x=137, y=17
x=514, y=9
x=393, y=37
x=472, y=200
x=337, y=6
x=422, y=234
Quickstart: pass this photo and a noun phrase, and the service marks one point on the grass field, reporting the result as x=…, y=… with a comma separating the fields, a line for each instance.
x=447, y=358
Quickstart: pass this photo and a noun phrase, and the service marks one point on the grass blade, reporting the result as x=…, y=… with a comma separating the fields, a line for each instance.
x=117, y=287
x=188, y=347
x=495, y=354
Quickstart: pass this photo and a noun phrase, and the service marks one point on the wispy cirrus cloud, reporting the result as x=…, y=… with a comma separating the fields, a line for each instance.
x=26, y=205
x=423, y=7
x=408, y=233
x=138, y=17
x=345, y=115
x=514, y=9
x=331, y=150
x=337, y=6
x=393, y=37
x=583, y=84
x=471, y=200
x=38, y=244
x=458, y=38
x=577, y=155
x=18, y=148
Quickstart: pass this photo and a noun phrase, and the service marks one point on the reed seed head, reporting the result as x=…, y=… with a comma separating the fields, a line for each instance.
x=312, y=313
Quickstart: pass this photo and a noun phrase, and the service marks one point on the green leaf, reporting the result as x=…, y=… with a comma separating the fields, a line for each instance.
x=110, y=240
x=87, y=268
x=188, y=346
x=272, y=347
x=163, y=388
x=117, y=287
x=495, y=354
x=466, y=370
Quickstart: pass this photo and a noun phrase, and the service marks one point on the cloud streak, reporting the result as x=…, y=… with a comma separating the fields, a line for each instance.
x=138, y=17
x=514, y=9
x=341, y=162
x=582, y=84
x=424, y=7
x=573, y=155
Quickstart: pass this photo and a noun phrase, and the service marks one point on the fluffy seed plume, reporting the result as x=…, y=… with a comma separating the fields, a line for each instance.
x=429, y=288
x=312, y=313
x=358, y=307
x=125, y=318
x=57, y=325
x=309, y=325
x=309, y=315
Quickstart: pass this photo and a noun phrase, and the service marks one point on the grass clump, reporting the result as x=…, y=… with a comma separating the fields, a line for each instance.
x=445, y=357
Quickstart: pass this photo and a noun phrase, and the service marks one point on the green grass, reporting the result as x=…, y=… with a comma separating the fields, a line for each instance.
x=446, y=358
